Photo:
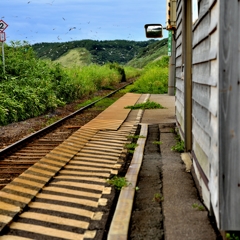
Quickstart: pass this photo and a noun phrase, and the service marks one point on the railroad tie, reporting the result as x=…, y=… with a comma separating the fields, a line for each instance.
x=65, y=191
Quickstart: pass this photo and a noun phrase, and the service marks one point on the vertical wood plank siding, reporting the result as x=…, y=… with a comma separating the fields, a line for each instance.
x=229, y=115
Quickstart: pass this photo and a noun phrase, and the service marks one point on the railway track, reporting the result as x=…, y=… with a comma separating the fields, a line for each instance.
x=63, y=194
x=19, y=156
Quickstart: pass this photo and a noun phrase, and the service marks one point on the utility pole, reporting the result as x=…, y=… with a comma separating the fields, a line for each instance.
x=172, y=65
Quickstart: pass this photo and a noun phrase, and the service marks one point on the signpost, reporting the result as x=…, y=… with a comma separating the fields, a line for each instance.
x=169, y=43
x=3, y=26
x=171, y=54
x=2, y=36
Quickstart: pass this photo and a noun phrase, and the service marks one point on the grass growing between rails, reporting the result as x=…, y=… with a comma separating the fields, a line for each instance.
x=31, y=87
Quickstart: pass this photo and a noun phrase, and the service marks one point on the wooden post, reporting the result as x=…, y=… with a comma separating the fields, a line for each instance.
x=187, y=48
x=229, y=115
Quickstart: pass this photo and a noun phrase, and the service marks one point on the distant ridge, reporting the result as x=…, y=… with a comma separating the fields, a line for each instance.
x=85, y=52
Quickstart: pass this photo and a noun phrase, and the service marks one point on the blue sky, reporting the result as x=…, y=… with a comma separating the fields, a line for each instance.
x=39, y=21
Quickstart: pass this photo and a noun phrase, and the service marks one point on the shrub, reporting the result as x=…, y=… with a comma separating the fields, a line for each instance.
x=154, y=78
x=118, y=68
x=30, y=86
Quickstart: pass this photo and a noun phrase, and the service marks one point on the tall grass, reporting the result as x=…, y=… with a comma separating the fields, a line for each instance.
x=30, y=87
x=89, y=79
x=132, y=72
x=154, y=78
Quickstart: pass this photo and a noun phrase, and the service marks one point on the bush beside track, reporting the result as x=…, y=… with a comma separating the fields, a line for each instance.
x=31, y=87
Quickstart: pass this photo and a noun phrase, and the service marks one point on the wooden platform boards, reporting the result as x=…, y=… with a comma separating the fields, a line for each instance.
x=60, y=195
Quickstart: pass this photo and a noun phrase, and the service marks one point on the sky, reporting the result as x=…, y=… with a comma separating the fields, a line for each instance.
x=37, y=21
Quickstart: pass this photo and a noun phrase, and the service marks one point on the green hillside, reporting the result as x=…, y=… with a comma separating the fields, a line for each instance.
x=150, y=53
x=101, y=52
x=75, y=57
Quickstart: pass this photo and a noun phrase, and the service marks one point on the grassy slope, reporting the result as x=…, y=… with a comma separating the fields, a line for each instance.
x=150, y=53
x=75, y=57
x=82, y=57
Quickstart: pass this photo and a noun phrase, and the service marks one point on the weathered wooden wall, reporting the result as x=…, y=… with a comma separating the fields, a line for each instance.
x=229, y=115
x=204, y=98
x=179, y=68
x=215, y=103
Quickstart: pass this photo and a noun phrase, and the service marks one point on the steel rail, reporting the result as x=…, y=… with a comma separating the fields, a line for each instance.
x=19, y=144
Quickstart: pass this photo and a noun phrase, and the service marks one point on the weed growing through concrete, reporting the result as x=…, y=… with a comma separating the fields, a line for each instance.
x=198, y=207
x=157, y=197
x=157, y=142
x=147, y=105
x=118, y=182
x=231, y=236
x=179, y=146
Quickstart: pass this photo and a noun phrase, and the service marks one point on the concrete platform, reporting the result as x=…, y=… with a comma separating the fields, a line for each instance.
x=166, y=115
x=181, y=220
